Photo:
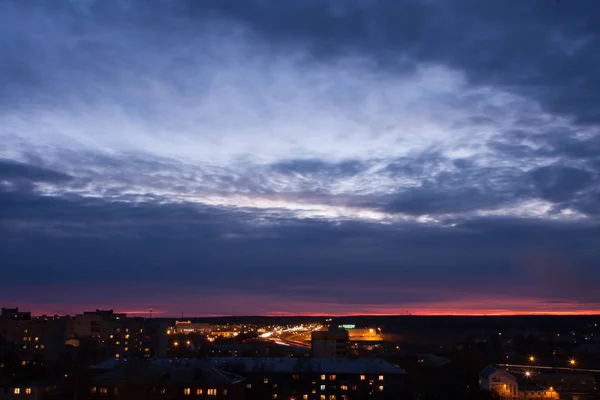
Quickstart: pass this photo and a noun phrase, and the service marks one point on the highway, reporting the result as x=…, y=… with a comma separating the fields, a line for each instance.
x=298, y=336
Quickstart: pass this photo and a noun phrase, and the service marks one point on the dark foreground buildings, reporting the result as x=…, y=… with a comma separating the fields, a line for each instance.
x=245, y=378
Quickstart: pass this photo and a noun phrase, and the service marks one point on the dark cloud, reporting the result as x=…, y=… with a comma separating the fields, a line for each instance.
x=542, y=49
x=94, y=242
x=309, y=167
x=558, y=183
x=16, y=171
x=426, y=200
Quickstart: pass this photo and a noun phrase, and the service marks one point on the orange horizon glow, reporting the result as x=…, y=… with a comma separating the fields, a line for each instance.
x=245, y=304
x=428, y=313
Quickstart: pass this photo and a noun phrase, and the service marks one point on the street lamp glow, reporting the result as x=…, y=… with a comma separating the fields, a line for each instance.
x=527, y=374
x=572, y=362
x=531, y=358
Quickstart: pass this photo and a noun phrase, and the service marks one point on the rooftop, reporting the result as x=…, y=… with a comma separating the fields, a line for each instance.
x=285, y=365
x=318, y=365
x=171, y=370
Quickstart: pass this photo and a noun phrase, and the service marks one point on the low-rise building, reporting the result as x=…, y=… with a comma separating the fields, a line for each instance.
x=162, y=379
x=189, y=327
x=499, y=382
x=316, y=378
x=30, y=390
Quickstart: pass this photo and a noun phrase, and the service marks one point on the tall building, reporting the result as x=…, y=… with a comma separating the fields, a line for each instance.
x=330, y=344
x=122, y=337
x=36, y=340
x=97, y=324
x=14, y=314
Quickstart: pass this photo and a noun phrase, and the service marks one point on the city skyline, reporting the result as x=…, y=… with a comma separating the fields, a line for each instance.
x=315, y=158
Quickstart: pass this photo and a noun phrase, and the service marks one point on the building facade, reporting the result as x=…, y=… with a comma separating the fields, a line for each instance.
x=329, y=344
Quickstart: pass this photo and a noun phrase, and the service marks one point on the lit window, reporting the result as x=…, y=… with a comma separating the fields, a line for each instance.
x=380, y=377
x=344, y=387
x=187, y=391
x=23, y=362
x=304, y=397
x=323, y=377
x=126, y=349
x=322, y=387
x=266, y=380
x=198, y=392
x=295, y=376
x=117, y=355
x=36, y=338
x=163, y=391
x=354, y=387
x=17, y=390
x=111, y=336
x=332, y=397
x=381, y=388
x=322, y=397
x=211, y=392
x=362, y=378
x=224, y=392
x=117, y=342
x=248, y=386
x=103, y=390
x=41, y=346
x=93, y=390
x=275, y=395
x=27, y=390
x=332, y=377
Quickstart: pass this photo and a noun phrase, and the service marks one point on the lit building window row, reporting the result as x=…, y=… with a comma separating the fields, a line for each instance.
x=210, y=392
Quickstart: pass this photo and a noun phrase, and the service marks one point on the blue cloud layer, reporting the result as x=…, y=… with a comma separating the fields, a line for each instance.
x=432, y=145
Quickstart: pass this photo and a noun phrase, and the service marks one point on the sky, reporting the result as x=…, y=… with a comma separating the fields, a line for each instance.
x=267, y=157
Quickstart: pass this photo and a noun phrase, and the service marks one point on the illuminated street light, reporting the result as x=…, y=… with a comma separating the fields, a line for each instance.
x=572, y=362
x=527, y=374
x=175, y=344
x=531, y=359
